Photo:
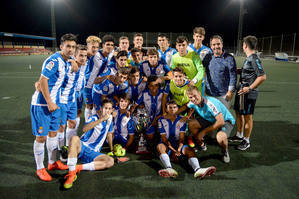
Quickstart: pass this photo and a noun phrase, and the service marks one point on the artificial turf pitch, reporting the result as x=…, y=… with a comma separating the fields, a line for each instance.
x=269, y=169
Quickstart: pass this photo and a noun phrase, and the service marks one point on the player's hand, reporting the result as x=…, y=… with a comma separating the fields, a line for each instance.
x=178, y=154
x=74, y=65
x=106, y=117
x=52, y=107
x=128, y=113
x=229, y=96
x=111, y=78
x=144, y=79
x=184, y=119
x=191, y=83
x=244, y=90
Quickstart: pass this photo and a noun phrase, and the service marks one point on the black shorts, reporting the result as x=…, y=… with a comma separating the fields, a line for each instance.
x=249, y=105
x=203, y=122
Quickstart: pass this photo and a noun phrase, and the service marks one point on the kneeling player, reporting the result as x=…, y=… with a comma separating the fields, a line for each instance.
x=172, y=131
x=88, y=147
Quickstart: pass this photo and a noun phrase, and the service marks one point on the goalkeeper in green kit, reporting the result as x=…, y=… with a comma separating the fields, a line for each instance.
x=190, y=62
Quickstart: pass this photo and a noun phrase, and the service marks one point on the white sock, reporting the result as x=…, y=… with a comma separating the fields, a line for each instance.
x=69, y=134
x=165, y=160
x=52, y=144
x=39, y=154
x=87, y=113
x=193, y=162
x=60, y=137
x=89, y=166
x=71, y=163
x=247, y=139
x=239, y=134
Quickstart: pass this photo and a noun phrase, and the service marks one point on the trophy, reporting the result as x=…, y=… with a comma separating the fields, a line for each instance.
x=142, y=121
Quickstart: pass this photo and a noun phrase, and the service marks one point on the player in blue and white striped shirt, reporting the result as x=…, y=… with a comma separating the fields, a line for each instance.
x=87, y=149
x=137, y=84
x=165, y=52
x=172, y=130
x=68, y=98
x=45, y=112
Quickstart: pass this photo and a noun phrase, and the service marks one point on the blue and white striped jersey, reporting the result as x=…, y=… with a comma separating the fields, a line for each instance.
x=108, y=88
x=160, y=70
x=203, y=51
x=67, y=92
x=135, y=91
x=124, y=126
x=54, y=69
x=96, y=65
x=81, y=80
x=171, y=129
x=152, y=103
x=167, y=55
x=95, y=137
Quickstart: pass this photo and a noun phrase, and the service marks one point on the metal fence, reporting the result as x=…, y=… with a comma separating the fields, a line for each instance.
x=287, y=43
x=149, y=38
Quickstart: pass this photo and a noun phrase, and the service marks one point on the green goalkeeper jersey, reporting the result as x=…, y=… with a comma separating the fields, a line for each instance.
x=192, y=66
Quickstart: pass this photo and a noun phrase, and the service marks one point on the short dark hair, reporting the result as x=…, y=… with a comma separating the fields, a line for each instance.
x=199, y=30
x=106, y=101
x=152, y=51
x=135, y=50
x=181, y=39
x=80, y=47
x=163, y=35
x=171, y=102
x=178, y=69
x=138, y=35
x=68, y=37
x=123, y=70
x=123, y=37
x=121, y=54
x=216, y=37
x=134, y=70
x=108, y=38
x=151, y=78
x=124, y=96
x=250, y=41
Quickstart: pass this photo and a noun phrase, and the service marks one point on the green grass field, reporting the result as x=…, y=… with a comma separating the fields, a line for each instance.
x=269, y=169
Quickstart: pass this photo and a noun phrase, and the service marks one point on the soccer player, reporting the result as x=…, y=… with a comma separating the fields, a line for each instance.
x=214, y=116
x=88, y=148
x=135, y=58
x=221, y=72
x=152, y=100
x=91, y=72
x=136, y=84
x=68, y=99
x=124, y=126
x=45, y=111
x=252, y=75
x=124, y=44
x=197, y=46
x=189, y=61
x=138, y=43
x=155, y=67
x=111, y=87
x=172, y=131
x=165, y=51
x=121, y=61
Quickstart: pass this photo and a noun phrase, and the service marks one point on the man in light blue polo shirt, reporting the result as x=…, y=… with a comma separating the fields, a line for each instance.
x=213, y=116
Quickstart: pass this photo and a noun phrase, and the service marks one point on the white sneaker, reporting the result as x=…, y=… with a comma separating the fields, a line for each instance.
x=202, y=172
x=225, y=158
x=168, y=173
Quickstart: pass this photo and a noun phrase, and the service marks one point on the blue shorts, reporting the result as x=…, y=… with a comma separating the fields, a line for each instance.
x=118, y=139
x=40, y=120
x=68, y=112
x=87, y=94
x=55, y=119
x=79, y=99
x=151, y=130
x=88, y=155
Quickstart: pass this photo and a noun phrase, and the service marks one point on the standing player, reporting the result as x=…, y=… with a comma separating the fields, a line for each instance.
x=172, y=131
x=189, y=61
x=88, y=148
x=124, y=44
x=138, y=43
x=91, y=72
x=197, y=46
x=165, y=51
x=214, y=116
x=68, y=99
x=252, y=76
x=45, y=112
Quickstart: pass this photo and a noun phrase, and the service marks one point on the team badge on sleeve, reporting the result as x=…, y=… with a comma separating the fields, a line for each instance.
x=40, y=130
x=50, y=65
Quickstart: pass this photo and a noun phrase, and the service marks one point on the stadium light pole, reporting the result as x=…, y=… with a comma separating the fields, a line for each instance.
x=240, y=27
x=53, y=25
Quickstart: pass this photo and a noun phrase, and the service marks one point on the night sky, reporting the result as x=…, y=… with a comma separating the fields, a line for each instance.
x=85, y=17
